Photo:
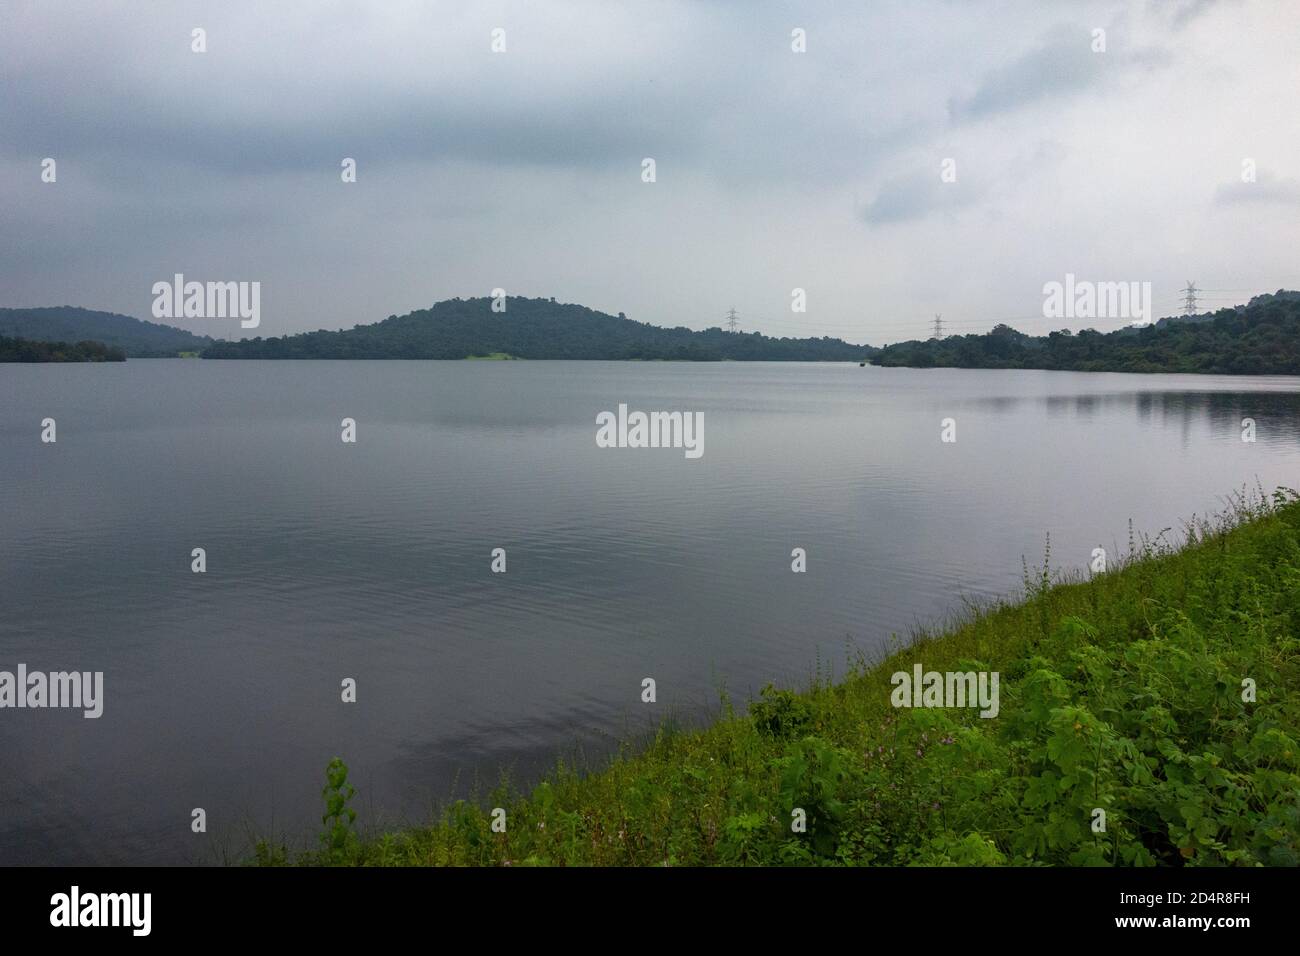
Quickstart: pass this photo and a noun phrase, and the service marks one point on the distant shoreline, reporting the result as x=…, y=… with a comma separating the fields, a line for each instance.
x=1259, y=338
x=1250, y=375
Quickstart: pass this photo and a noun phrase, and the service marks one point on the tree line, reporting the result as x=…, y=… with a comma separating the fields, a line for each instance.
x=1260, y=338
x=27, y=350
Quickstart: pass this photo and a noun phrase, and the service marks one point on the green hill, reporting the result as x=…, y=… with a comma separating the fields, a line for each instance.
x=533, y=329
x=1259, y=338
x=134, y=337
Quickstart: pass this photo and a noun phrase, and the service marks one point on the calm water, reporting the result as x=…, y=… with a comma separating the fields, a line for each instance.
x=371, y=561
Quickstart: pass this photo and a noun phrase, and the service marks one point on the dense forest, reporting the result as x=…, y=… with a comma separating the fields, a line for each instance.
x=25, y=350
x=136, y=338
x=1259, y=338
x=533, y=329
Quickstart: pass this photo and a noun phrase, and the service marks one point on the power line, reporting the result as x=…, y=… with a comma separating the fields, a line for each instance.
x=896, y=324
x=1192, y=296
x=731, y=321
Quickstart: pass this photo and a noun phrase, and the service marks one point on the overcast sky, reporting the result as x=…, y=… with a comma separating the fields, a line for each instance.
x=775, y=169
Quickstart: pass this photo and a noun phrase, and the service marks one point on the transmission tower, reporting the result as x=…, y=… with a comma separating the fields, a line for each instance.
x=731, y=320
x=1189, y=300
x=938, y=326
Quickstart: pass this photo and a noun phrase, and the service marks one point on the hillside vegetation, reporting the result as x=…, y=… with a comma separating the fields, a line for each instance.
x=25, y=350
x=532, y=329
x=1261, y=338
x=135, y=338
x=1165, y=693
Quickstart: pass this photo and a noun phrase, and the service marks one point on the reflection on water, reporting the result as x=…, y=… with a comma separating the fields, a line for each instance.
x=371, y=561
x=1276, y=414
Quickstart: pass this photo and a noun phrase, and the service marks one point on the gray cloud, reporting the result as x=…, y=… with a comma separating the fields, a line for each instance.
x=917, y=195
x=522, y=169
x=1183, y=12
x=1267, y=189
x=1061, y=65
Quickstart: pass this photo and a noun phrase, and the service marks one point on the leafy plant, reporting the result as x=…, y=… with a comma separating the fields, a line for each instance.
x=338, y=836
x=781, y=714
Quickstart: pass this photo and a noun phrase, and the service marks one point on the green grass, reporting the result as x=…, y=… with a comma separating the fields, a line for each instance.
x=1122, y=692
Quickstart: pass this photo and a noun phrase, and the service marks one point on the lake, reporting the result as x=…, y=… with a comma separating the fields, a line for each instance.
x=371, y=560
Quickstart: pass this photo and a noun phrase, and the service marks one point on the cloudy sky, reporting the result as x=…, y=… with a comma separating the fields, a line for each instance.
x=775, y=169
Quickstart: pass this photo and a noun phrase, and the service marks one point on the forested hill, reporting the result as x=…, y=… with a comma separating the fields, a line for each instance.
x=65, y=323
x=1260, y=338
x=25, y=350
x=532, y=329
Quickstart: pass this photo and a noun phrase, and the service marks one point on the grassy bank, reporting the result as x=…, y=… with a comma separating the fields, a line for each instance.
x=1121, y=693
